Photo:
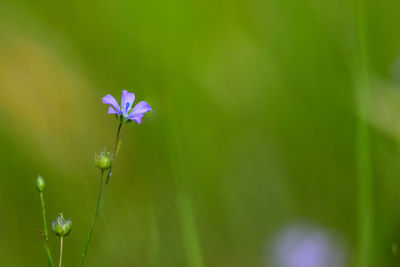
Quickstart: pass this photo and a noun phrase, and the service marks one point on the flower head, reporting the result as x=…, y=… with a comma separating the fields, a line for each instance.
x=126, y=113
x=303, y=245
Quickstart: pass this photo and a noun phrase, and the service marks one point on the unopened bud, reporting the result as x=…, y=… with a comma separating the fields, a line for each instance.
x=103, y=160
x=61, y=227
x=40, y=184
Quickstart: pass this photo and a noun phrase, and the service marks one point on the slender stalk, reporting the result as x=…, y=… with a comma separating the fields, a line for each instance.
x=46, y=233
x=114, y=152
x=96, y=214
x=100, y=199
x=61, y=250
x=366, y=250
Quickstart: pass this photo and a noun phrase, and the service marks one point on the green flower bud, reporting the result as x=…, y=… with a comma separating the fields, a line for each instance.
x=40, y=184
x=61, y=227
x=103, y=160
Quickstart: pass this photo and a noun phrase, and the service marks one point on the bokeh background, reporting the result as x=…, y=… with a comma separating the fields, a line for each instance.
x=270, y=119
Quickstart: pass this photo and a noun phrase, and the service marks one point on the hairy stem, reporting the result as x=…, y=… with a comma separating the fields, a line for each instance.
x=100, y=199
x=61, y=250
x=46, y=233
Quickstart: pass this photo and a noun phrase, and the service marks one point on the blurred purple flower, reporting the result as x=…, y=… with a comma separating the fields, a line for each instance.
x=305, y=246
x=126, y=111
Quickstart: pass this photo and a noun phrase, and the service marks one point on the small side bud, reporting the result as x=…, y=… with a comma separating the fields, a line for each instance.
x=103, y=160
x=40, y=184
x=61, y=227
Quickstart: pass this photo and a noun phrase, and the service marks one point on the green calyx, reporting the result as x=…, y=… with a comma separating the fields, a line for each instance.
x=40, y=184
x=61, y=227
x=103, y=160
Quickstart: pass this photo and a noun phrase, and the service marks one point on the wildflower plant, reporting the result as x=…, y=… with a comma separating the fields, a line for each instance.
x=104, y=161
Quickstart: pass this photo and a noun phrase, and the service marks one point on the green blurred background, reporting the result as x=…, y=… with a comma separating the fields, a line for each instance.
x=265, y=113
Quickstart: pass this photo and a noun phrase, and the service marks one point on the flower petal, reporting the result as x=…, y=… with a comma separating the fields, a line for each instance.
x=127, y=101
x=113, y=111
x=136, y=117
x=138, y=111
x=110, y=100
x=141, y=107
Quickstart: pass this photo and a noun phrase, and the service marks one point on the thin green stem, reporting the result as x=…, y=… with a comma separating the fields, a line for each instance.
x=46, y=233
x=96, y=214
x=114, y=152
x=61, y=250
x=366, y=250
x=100, y=199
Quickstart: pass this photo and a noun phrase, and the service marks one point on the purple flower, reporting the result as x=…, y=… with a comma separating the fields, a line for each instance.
x=303, y=245
x=126, y=112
